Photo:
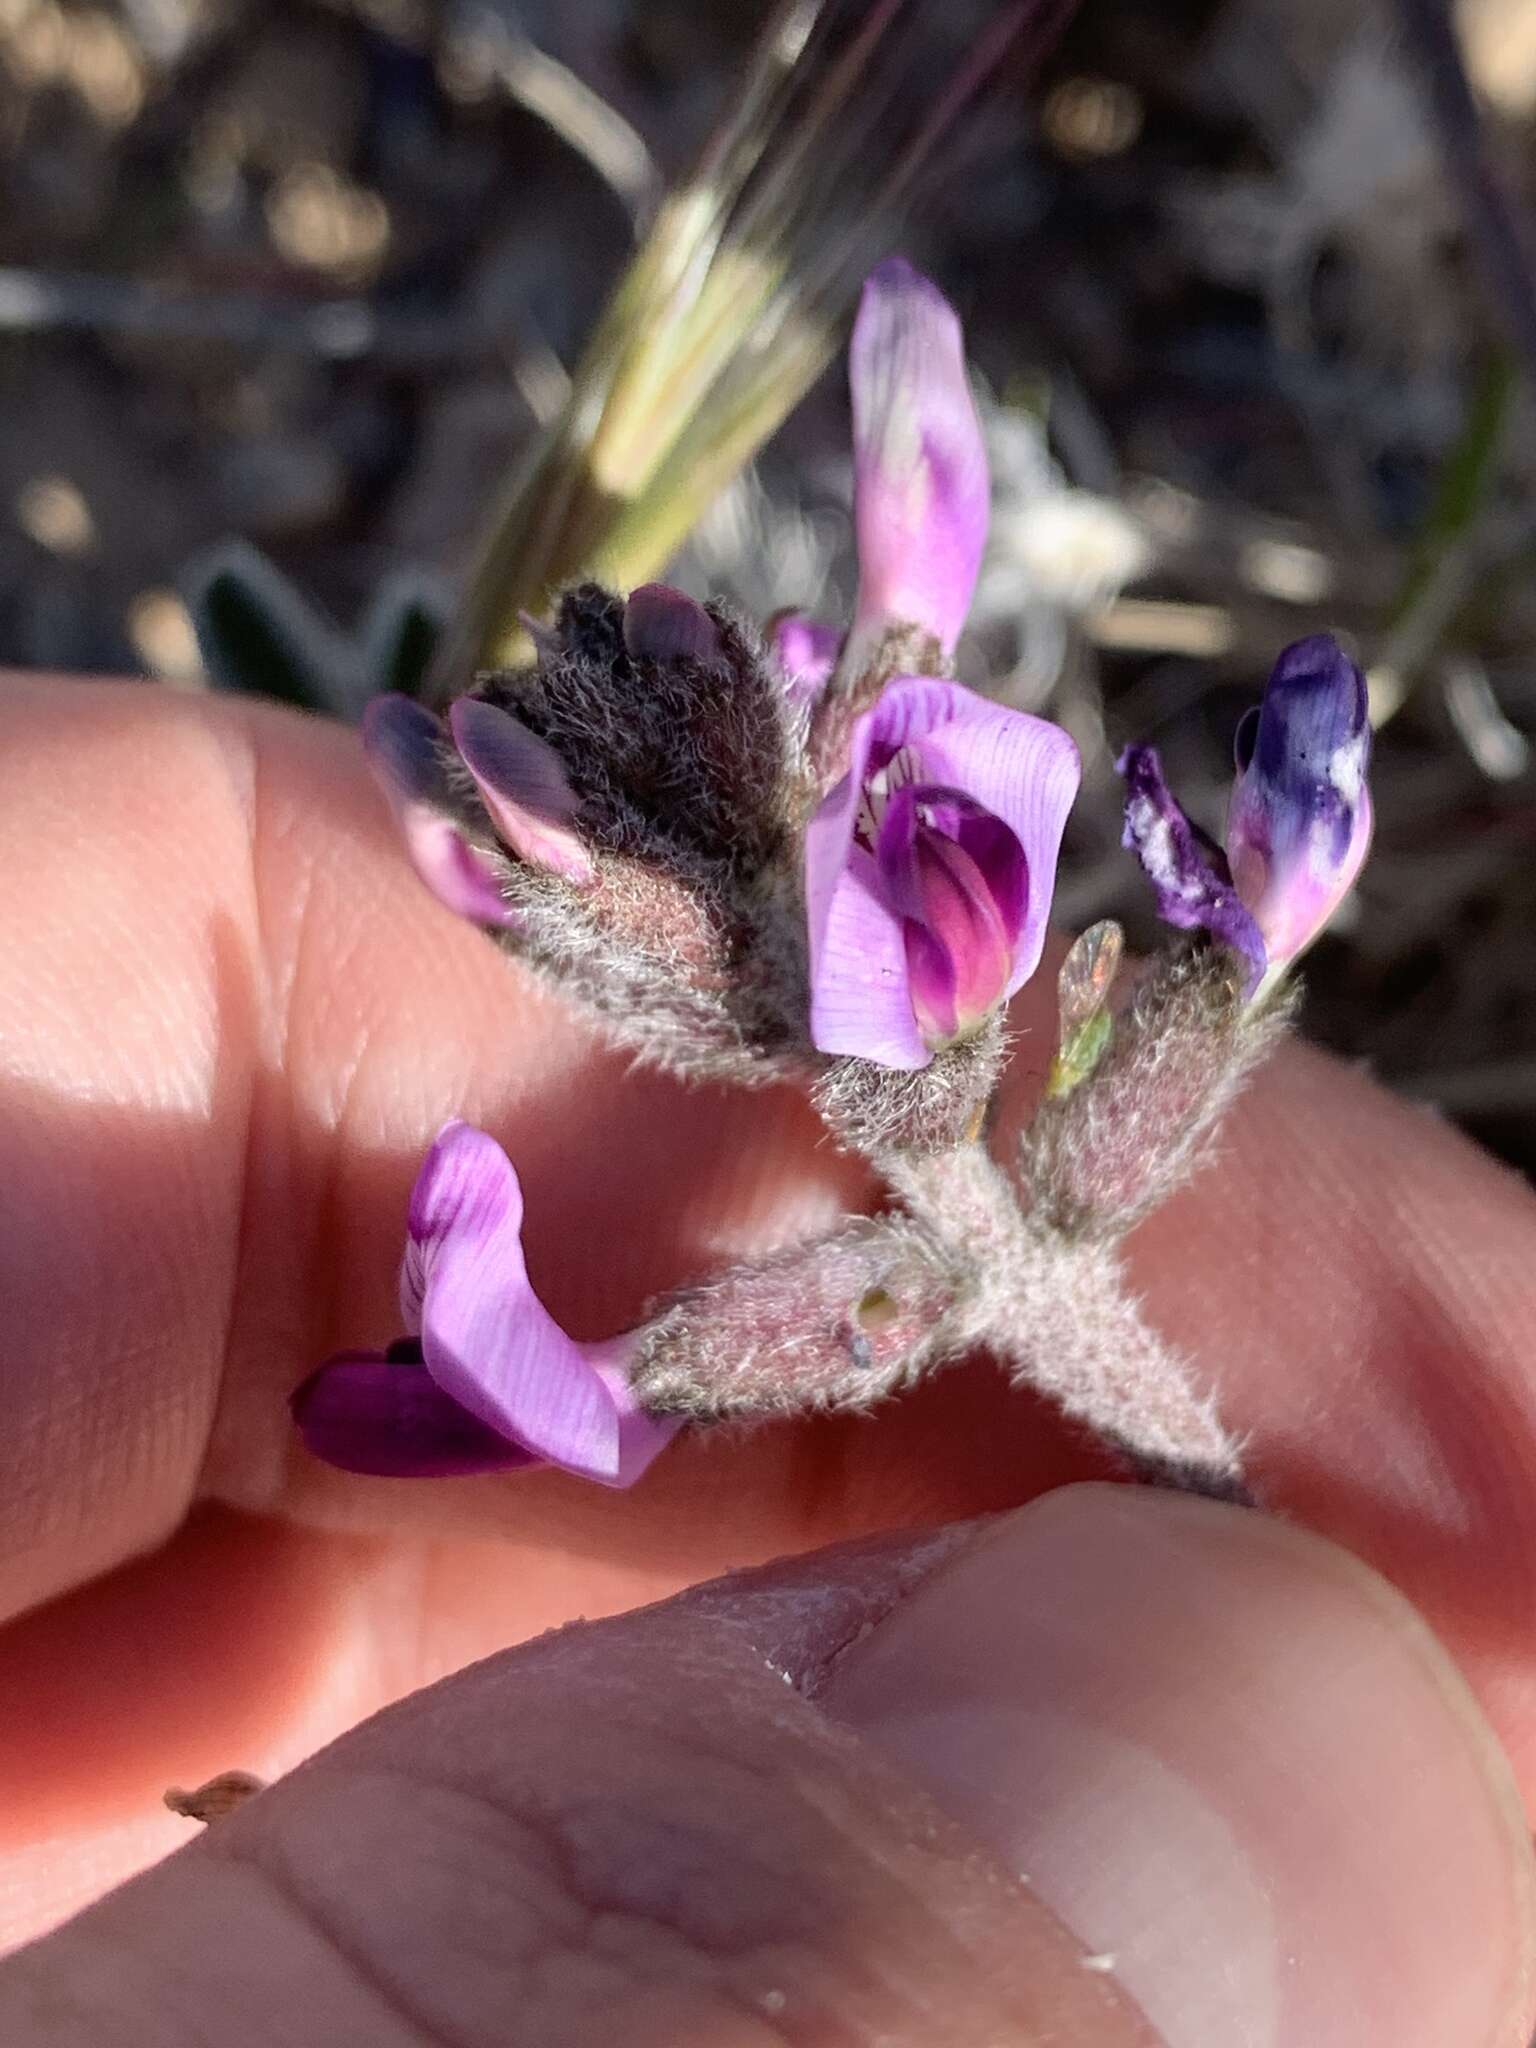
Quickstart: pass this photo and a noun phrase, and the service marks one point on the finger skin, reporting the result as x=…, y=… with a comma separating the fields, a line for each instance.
x=1251, y=1792
x=635, y=1831
x=1232, y=1759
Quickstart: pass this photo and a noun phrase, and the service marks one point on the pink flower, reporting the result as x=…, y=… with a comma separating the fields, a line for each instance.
x=921, y=492
x=486, y=1380
x=930, y=869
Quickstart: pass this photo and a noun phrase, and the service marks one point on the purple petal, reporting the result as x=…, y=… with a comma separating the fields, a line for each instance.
x=959, y=945
x=861, y=1001
x=1187, y=872
x=663, y=624
x=368, y=1413
x=921, y=495
x=992, y=849
x=806, y=650
x=488, y=1340
x=641, y=1436
x=525, y=787
x=933, y=986
x=1023, y=770
x=401, y=741
x=861, y=994
x=1299, y=822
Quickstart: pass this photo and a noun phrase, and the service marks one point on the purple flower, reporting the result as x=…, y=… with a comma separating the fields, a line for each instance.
x=921, y=493
x=1298, y=823
x=929, y=870
x=486, y=1380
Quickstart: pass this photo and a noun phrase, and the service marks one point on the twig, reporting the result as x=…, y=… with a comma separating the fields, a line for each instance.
x=1498, y=236
x=579, y=116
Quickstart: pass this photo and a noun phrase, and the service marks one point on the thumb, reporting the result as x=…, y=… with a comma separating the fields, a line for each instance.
x=1253, y=1801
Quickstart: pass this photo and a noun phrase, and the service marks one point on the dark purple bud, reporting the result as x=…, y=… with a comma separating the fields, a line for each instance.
x=1299, y=822
x=663, y=624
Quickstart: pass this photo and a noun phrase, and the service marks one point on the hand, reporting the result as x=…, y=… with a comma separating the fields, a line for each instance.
x=231, y=1024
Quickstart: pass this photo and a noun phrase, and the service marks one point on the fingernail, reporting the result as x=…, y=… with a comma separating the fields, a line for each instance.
x=1230, y=1758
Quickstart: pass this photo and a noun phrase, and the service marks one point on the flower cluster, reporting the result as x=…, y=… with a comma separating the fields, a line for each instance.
x=819, y=854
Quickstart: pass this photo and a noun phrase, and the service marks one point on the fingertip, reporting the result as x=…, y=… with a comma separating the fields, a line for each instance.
x=1232, y=1758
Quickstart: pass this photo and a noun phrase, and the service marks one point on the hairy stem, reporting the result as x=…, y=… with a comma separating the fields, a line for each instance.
x=1055, y=1312
x=1094, y=1162
x=834, y=1325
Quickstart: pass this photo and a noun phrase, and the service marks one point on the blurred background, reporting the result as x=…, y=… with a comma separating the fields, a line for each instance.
x=306, y=277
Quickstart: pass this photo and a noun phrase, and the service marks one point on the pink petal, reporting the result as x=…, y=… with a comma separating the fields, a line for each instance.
x=1023, y=770
x=367, y=1413
x=641, y=1436
x=959, y=933
x=998, y=857
x=401, y=740
x=525, y=788
x=488, y=1340
x=861, y=994
x=932, y=984
x=921, y=496
x=458, y=875
x=861, y=1003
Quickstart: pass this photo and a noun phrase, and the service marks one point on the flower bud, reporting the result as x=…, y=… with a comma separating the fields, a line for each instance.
x=626, y=810
x=405, y=747
x=525, y=788
x=921, y=493
x=1299, y=821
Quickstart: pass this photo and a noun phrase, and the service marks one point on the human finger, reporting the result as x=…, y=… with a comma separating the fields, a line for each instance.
x=1122, y=1768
